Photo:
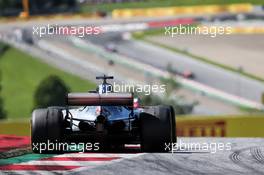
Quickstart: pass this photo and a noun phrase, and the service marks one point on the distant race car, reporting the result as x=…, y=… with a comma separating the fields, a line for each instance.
x=104, y=117
x=111, y=47
x=187, y=74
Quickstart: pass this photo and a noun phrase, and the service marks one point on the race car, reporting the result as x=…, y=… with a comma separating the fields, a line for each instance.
x=111, y=47
x=187, y=74
x=105, y=117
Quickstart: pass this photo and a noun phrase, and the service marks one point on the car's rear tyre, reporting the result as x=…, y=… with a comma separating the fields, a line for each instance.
x=157, y=128
x=173, y=129
x=46, y=130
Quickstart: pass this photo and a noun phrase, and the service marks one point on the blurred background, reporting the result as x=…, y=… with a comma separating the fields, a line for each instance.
x=216, y=84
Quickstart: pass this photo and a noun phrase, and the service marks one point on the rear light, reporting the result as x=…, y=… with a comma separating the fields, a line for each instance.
x=136, y=103
x=98, y=110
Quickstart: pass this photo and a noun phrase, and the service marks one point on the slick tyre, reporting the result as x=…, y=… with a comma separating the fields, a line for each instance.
x=46, y=129
x=157, y=128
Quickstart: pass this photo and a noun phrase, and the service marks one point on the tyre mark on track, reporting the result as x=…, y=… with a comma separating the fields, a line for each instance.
x=235, y=157
x=255, y=153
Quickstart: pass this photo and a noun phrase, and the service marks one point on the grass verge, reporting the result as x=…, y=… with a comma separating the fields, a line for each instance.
x=21, y=74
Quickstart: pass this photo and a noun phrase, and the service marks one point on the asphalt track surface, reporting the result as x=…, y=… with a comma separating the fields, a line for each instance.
x=249, y=57
x=242, y=156
x=246, y=157
x=204, y=73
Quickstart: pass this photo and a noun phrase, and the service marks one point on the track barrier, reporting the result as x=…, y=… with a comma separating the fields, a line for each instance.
x=185, y=10
x=187, y=126
x=220, y=126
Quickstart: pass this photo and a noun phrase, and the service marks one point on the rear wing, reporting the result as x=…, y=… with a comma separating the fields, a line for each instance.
x=95, y=99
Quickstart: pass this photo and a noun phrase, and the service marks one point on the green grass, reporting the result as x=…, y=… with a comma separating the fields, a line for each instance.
x=143, y=36
x=106, y=7
x=155, y=32
x=152, y=32
x=21, y=74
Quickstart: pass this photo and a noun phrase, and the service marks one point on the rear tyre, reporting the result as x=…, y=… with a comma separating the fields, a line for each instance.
x=46, y=130
x=174, y=125
x=157, y=128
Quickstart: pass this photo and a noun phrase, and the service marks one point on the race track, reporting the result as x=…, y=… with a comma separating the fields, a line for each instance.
x=245, y=157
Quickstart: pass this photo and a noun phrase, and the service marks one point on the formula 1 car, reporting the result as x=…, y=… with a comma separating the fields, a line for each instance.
x=105, y=117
